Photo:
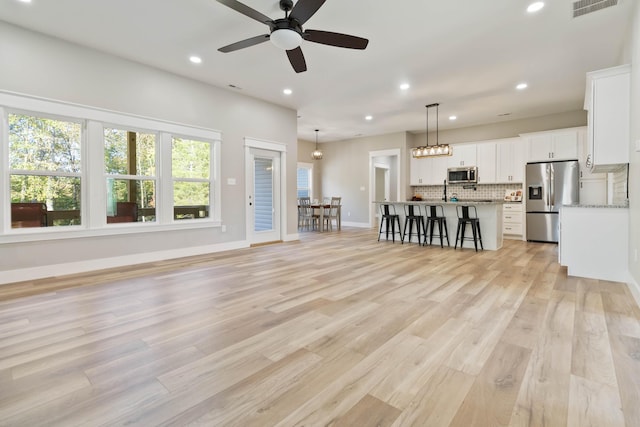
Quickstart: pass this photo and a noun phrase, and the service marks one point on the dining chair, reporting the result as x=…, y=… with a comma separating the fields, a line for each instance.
x=305, y=213
x=332, y=213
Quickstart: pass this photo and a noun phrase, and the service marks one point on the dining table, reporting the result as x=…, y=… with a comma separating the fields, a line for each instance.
x=322, y=207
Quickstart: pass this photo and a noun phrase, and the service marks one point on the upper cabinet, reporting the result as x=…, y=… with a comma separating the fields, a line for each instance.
x=427, y=171
x=418, y=171
x=486, y=162
x=463, y=155
x=553, y=145
x=437, y=170
x=607, y=100
x=510, y=160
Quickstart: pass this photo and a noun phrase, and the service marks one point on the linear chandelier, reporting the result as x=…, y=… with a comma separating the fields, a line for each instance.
x=432, y=150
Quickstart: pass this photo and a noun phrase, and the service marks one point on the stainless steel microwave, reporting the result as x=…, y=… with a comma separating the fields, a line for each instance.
x=463, y=175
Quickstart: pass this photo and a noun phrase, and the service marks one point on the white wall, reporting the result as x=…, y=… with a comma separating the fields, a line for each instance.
x=633, y=56
x=46, y=67
x=503, y=129
x=345, y=172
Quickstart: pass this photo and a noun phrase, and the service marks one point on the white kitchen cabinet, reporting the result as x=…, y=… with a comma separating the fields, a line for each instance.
x=510, y=160
x=512, y=220
x=427, y=171
x=463, y=155
x=552, y=145
x=418, y=171
x=607, y=100
x=437, y=170
x=593, y=186
x=486, y=162
x=594, y=242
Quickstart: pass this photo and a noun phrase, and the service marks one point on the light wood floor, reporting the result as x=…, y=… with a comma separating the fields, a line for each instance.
x=336, y=329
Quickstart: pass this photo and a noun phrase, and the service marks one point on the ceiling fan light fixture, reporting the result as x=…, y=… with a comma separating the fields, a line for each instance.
x=286, y=39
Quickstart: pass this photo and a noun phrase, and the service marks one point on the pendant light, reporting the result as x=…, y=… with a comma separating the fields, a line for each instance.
x=317, y=154
x=432, y=150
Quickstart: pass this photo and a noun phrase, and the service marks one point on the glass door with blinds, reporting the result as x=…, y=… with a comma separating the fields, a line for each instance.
x=264, y=196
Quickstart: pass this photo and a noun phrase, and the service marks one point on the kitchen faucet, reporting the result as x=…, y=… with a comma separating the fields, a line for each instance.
x=444, y=194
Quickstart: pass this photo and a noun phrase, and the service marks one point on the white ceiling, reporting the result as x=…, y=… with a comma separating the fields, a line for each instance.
x=468, y=55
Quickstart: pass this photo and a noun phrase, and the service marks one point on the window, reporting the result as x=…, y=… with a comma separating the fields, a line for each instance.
x=191, y=171
x=85, y=169
x=305, y=174
x=130, y=168
x=45, y=171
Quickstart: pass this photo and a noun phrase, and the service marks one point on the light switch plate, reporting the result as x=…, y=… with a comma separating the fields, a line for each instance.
x=231, y=181
x=637, y=144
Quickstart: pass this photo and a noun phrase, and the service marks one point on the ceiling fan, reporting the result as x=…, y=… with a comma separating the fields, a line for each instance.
x=287, y=33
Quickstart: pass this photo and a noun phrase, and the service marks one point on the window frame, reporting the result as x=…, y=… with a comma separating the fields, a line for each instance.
x=129, y=177
x=214, y=182
x=93, y=176
x=309, y=167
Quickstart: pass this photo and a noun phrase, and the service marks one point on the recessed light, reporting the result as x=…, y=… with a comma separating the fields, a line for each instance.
x=405, y=86
x=369, y=118
x=24, y=1
x=535, y=6
x=453, y=117
x=195, y=59
x=287, y=91
x=522, y=86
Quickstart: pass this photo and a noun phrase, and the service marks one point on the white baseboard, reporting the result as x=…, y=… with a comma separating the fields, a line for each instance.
x=33, y=273
x=356, y=224
x=635, y=289
x=291, y=237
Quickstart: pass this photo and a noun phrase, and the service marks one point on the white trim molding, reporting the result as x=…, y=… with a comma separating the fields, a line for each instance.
x=634, y=288
x=46, y=271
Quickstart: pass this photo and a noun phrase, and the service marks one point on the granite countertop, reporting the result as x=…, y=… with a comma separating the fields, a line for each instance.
x=614, y=206
x=460, y=201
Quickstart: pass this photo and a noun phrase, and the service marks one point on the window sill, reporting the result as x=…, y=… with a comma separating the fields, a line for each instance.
x=80, y=232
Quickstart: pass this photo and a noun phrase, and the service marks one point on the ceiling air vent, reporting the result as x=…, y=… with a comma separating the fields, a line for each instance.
x=582, y=7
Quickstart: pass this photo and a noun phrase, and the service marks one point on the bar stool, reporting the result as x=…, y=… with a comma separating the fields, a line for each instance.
x=413, y=215
x=389, y=216
x=468, y=215
x=435, y=215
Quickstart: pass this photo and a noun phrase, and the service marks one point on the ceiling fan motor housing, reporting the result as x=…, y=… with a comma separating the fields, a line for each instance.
x=286, y=34
x=286, y=5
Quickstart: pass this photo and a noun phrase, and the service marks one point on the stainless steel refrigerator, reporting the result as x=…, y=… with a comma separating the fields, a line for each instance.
x=549, y=185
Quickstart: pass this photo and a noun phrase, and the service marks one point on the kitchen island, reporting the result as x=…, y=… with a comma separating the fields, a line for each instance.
x=489, y=212
x=594, y=241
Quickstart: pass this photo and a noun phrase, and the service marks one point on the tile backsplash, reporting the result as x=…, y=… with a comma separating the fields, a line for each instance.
x=483, y=191
x=618, y=186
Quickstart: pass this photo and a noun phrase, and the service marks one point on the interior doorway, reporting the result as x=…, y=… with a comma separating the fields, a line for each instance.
x=384, y=180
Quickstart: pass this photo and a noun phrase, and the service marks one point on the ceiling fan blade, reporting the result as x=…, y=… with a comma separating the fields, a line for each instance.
x=336, y=39
x=244, y=43
x=304, y=9
x=297, y=60
x=247, y=11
